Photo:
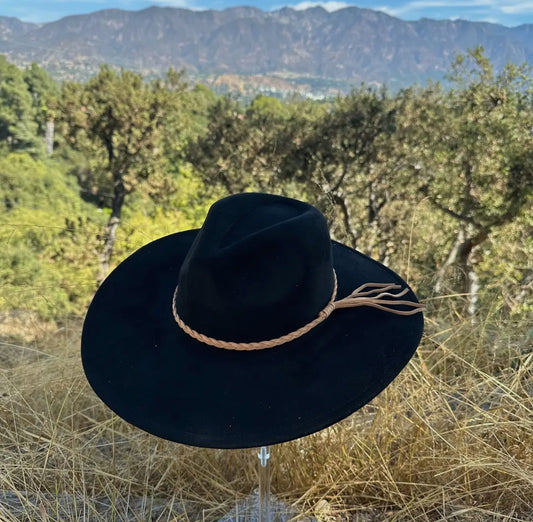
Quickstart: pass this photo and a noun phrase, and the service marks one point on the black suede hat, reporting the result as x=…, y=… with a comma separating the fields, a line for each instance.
x=254, y=330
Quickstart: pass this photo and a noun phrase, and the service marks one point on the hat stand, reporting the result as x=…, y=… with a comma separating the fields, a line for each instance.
x=257, y=507
x=260, y=506
x=264, y=484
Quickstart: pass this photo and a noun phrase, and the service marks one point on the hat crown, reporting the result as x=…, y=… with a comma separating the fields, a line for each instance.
x=260, y=267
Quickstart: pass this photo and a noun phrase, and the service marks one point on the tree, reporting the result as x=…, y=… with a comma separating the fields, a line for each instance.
x=197, y=102
x=475, y=165
x=222, y=154
x=18, y=129
x=47, y=234
x=302, y=149
x=125, y=125
x=44, y=92
x=338, y=155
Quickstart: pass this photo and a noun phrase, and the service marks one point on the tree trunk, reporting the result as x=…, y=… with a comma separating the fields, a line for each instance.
x=119, y=195
x=49, y=136
x=340, y=200
x=472, y=288
x=378, y=242
x=451, y=261
x=465, y=280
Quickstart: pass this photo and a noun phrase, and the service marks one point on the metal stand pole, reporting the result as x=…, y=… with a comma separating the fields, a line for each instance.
x=264, y=484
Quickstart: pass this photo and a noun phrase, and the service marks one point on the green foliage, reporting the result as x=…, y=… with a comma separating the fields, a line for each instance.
x=244, y=148
x=339, y=157
x=435, y=183
x=428, y=176
x=131, y=130
x=469, y=152
x=125, y=125
x=18, y=129
x=145, y=220
x=196, y=103
x=49, y=239
x=267, y=109
x=44, y=92
x=113, y=115
x=506, y=266
x=484, y=147
x=220, y=153
x=27, y=183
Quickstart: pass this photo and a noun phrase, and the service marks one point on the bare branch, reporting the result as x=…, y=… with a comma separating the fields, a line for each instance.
x=450, y=212
x=341, y=202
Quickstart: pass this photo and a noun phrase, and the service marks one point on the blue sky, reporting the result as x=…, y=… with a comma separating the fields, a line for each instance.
x=506, y=12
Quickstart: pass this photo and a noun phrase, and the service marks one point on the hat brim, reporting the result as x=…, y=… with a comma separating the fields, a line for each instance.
x=156, y=377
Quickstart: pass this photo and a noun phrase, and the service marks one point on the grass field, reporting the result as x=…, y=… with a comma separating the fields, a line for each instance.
x=450, y=439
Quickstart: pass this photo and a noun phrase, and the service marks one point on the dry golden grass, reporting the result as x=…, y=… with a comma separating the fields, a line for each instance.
x=450, y=439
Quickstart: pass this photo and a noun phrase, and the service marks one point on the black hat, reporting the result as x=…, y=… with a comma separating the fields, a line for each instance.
x=244, y=333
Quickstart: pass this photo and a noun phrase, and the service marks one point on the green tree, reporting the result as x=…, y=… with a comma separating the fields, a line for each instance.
x=126, y=126
x=221, y=154
x=44, y=92
x=337, y=157
x=18, y=129
x=247, y=148
x=48, y=235
x=197, y=102
x=471, y=156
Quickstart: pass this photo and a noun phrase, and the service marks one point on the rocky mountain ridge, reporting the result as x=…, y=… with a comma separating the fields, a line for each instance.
x=349, y=45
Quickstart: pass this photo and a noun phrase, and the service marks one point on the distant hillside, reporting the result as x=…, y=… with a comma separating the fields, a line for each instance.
x=312, y=46
x=11, y=29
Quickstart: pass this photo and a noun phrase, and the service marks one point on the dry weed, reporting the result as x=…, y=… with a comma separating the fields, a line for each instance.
x=450, y=439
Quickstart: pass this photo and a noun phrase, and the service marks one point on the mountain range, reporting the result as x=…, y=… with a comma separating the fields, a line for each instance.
x=312, y=47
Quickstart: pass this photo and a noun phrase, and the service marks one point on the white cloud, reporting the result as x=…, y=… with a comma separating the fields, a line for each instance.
x=417, y=5
x=517, y=7
x=392, y=11
x=385, y=9
x=186, y=4
x=505, y=6
x=328, y=6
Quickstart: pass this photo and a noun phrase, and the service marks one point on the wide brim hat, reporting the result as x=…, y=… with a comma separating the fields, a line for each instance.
x=172, y=339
